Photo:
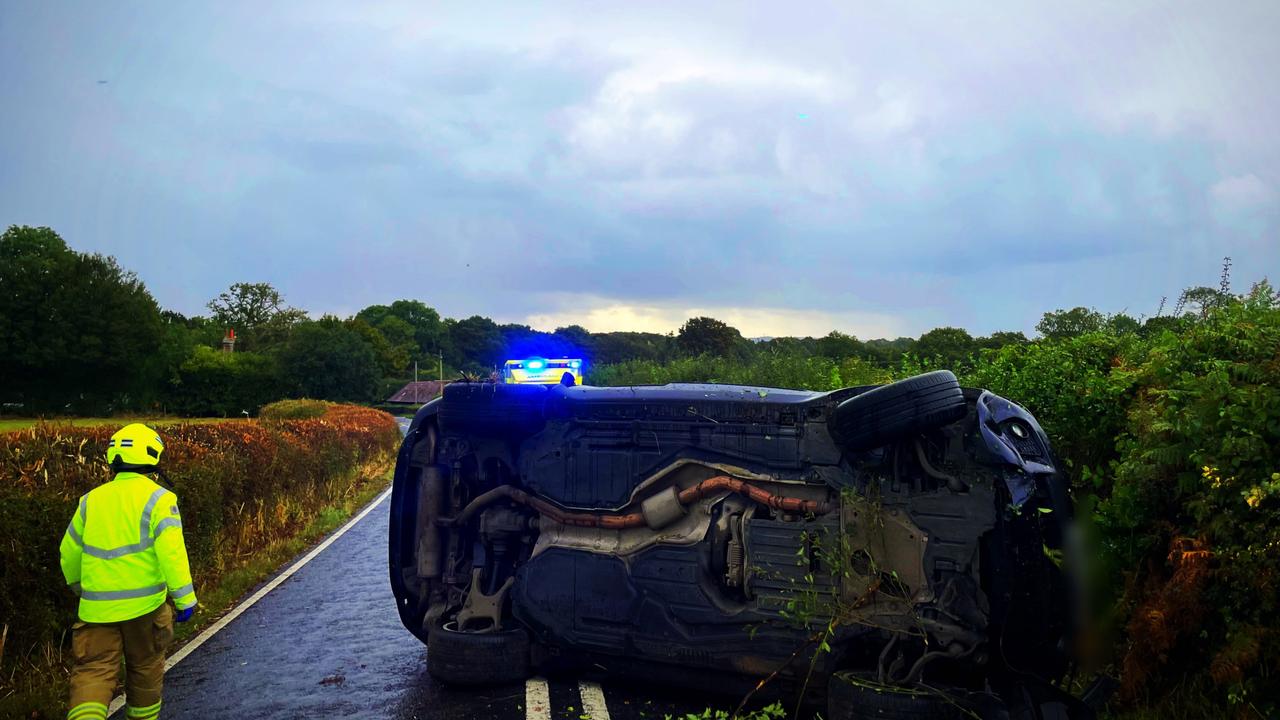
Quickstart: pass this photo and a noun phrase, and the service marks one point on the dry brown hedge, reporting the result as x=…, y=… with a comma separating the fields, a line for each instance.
x=240, y=484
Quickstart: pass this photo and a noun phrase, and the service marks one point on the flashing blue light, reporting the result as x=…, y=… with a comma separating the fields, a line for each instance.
x=534, y=364
x=575, y=364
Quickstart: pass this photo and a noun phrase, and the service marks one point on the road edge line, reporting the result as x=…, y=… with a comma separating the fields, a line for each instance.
x=275, y=582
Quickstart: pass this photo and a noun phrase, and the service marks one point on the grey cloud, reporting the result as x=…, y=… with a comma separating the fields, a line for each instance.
x=869, y=158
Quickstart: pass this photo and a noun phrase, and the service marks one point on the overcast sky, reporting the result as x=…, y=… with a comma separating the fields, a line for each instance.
x=791, y=169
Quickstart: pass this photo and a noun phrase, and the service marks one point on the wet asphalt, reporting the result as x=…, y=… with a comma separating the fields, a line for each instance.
x=327, y=643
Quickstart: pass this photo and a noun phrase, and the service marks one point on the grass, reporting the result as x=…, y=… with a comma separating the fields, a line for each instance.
x=11, y=424
x=45, y=698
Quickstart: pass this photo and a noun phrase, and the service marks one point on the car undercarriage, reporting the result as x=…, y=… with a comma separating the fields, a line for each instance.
x=898, y=545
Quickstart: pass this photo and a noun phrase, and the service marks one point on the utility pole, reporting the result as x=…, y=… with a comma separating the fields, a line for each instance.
x=415, y=381
x=440, y=355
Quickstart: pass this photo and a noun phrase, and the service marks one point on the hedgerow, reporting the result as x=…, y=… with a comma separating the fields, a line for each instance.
x=241, y=484
x=294, y=409
x=1171, y=438
x=766, y=369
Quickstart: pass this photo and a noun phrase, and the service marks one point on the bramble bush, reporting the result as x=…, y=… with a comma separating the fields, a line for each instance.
x=1176, y=434
x=241, y=484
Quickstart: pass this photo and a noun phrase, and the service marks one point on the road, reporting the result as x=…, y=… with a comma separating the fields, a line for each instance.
x=327, y=643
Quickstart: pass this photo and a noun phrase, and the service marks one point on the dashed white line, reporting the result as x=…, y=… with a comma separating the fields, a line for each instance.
x=593, y=704
x=537, y=699
x=225, y=620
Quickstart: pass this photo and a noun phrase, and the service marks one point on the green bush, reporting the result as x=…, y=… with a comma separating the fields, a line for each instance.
x=1172, y=435
x=302, y=409
x=213, y=383
x=774, y=369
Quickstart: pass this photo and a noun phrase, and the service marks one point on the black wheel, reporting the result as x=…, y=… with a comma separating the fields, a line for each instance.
x=879, y=416
x=488, y=658
x=856, y=696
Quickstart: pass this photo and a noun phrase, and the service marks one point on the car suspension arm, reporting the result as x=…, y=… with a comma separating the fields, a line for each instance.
x=608, y=521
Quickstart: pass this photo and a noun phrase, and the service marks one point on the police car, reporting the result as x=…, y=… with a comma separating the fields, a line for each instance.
x=542, y=371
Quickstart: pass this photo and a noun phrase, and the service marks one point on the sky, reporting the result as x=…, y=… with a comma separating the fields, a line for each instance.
x=791, y=168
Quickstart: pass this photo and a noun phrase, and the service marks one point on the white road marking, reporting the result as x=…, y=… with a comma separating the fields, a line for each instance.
x=593, y=704
x=225, y=620
x=537, y=699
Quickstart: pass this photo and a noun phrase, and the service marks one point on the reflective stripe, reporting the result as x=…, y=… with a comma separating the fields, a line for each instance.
x=179, y=592
x=87, y=710
x=121, y=594
x=144, y=533
x=82, y=514
x=143, y=712
x=145, y=539
x=113, y=553
x=71, y=530
x=168, y=523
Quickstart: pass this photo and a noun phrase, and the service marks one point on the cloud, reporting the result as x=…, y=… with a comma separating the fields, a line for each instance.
x=605, y=315
x=1243, y=192
x=871, y=167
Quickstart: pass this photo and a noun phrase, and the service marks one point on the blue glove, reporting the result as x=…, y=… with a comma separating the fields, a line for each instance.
x=185, y=615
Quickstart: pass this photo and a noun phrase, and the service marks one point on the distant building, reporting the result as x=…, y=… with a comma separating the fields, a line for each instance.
x=417, y=393
x=229, y=341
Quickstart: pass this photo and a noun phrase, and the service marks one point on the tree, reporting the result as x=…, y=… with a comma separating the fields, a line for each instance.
x=76, y=328
x=1121, y=324
x=475, y=343
x=708, y=336
x=327, y=360
x=1070, y=323
x=257, y=312
x=839, y=345
x=400, y=335
x=889, y=351
x=1000, y=338
x=392, y=360
x=430, y=335
x=211, y=382
x=1203, y=299
x=952, y=346
x=576, y=339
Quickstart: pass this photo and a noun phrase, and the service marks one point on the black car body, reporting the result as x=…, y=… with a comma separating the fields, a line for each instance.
x=679, y=528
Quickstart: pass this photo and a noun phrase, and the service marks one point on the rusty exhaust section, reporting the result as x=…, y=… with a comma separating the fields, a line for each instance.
x=707, y=487
x=754, y=493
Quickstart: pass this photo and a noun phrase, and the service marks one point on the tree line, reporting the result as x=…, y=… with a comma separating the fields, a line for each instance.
x=83, y=335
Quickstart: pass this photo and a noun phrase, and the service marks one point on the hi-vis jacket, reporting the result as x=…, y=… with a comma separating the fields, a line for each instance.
x=123, y=551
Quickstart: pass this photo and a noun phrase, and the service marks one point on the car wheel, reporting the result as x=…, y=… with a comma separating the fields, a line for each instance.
x=474, y=658
x=879, y=416
x=857, y=696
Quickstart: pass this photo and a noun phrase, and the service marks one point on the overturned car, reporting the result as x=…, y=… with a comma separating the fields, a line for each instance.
x=896, y=550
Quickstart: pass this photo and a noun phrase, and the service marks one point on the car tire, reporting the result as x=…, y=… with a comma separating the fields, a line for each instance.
x=857, y=696
x=881, y=415
x=489, y=658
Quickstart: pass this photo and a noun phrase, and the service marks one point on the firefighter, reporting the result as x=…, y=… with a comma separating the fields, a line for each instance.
x=123, y=554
